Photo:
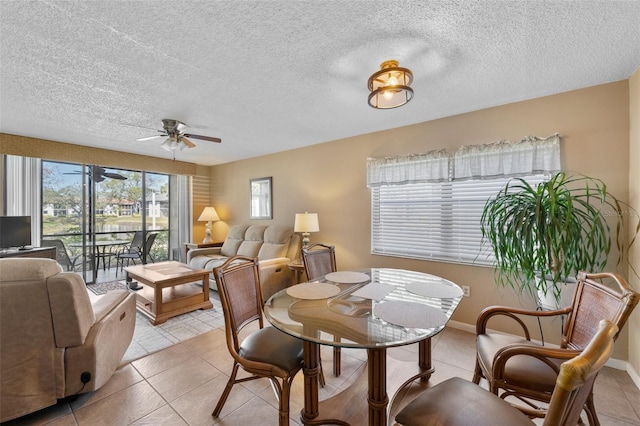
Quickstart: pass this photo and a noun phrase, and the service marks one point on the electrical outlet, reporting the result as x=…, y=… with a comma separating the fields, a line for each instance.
x=466, y=291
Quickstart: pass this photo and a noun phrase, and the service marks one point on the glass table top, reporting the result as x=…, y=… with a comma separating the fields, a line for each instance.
x=388, y=307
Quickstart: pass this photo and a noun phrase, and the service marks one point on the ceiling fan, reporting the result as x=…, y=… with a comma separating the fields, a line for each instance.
x=98, y=174
x=176, y=137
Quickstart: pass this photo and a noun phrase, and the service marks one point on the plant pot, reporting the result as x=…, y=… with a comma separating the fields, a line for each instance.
x=548, y=301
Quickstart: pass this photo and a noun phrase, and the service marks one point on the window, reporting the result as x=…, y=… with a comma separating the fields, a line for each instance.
x=428, y=206
x=433, y=221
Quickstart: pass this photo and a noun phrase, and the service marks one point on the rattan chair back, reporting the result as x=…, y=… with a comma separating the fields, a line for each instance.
x=238, y=281
x=319, y=260
x=598, y=296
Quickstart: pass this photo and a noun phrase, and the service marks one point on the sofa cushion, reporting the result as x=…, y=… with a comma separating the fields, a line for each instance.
x=235, y=236
x=214, y=262
x=276, y=242
x=253, y=240
x=203, y=261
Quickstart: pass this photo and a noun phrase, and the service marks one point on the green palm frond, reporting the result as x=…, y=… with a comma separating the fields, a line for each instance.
x=554, y=230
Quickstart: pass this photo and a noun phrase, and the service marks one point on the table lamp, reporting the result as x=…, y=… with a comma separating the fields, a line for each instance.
x=306, y=223
x=208, y=215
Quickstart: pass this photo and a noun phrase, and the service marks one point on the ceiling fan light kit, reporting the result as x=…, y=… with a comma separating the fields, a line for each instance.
x=172, y=143
x=176, y=138
x=390, y=86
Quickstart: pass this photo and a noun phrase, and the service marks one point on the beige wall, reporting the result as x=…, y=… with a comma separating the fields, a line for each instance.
x=59, y=151
x=330, y=179
x=634, y=199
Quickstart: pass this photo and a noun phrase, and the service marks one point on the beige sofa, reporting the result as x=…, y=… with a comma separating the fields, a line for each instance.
x=275, y=247
x=52, y=339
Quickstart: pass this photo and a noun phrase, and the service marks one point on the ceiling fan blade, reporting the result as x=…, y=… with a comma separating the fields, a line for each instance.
x=114, y=176
x=151, y=137
x=204, y=138
x=187, y=142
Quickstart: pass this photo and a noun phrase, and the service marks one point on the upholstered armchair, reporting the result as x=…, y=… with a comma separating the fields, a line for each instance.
x=512, y=364
x=54, y=342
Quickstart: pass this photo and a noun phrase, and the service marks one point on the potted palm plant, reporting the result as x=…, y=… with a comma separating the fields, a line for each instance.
x=542, y=235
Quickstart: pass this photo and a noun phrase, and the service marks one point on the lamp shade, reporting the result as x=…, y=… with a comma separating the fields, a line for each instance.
x=209, y=214
x=306, y=222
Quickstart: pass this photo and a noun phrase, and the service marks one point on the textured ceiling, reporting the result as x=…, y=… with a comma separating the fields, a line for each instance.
x=268, y=76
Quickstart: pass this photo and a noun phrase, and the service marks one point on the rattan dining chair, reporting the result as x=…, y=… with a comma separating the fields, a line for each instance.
x=457, y=402
x=266, y=352
x=514, y=373
x=319, y=260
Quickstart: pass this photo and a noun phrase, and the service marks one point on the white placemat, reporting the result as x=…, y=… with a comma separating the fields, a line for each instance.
x=313, y=291
x=347, y=277
x=438, y=290
x=410, y=314
x=375, y=291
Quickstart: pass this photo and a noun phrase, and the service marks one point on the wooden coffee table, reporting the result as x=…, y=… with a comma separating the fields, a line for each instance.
x=170, y=289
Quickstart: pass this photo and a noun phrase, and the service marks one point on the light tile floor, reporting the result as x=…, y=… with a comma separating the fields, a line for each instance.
x=180, y=385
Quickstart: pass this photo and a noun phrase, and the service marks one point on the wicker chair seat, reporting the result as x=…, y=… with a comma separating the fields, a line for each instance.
x=478, y=407
x=272, y=346
x=520, y=371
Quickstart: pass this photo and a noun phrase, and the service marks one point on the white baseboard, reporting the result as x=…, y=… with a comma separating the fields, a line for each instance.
x=634, y=375
x=613, y=363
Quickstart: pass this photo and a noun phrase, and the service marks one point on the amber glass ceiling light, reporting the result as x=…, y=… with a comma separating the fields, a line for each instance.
x=391, y=86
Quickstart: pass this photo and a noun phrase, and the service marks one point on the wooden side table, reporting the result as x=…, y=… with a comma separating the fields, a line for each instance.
x=298, y=269
x=189, y=246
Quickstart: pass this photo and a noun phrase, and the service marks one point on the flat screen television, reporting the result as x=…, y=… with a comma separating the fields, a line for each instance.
x=15, y=231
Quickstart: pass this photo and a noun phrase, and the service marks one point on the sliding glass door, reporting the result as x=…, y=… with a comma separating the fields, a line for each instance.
x=105, y=218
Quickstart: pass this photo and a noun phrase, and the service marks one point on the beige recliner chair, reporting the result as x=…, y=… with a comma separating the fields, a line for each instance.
x=53, y=342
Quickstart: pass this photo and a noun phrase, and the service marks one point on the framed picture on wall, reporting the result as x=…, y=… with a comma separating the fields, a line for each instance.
x=261, y=201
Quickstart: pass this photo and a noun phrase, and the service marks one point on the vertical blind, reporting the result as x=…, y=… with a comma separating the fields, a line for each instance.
x=22, y=190
x=438, y=217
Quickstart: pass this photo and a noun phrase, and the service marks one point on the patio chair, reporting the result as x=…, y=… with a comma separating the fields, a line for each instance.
x=69, y=263
x=511, y=370
x=459, y=402
x=131, y=253
x=266, y=352
x=319, y=260
x=151, y=238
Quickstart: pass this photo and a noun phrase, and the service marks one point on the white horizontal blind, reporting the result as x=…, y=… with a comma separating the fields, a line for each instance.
x=434, y=221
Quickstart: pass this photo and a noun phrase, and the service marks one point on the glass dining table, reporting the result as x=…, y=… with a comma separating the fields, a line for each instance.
x=372, y=309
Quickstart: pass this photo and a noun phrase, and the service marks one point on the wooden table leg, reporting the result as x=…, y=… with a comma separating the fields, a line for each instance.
x=311, y=371
x=205, y=287
x=378, y=400
x=424, y=359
